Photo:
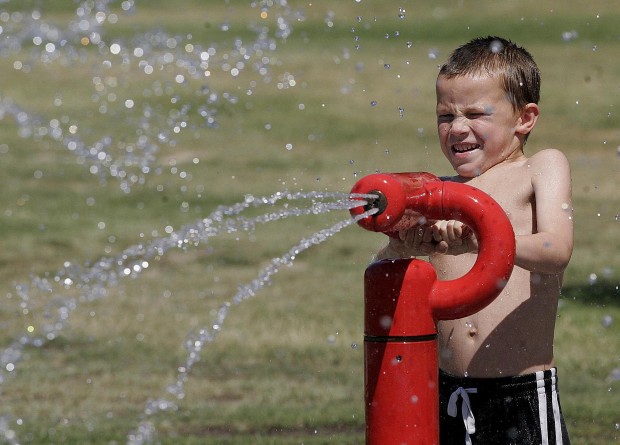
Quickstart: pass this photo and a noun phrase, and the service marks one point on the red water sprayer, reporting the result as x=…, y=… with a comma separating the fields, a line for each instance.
x=403, y=299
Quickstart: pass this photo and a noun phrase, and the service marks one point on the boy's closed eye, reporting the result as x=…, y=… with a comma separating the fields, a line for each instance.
x=445, y=117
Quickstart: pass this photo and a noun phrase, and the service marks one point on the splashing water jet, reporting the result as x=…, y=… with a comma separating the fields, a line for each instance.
x=93, y=282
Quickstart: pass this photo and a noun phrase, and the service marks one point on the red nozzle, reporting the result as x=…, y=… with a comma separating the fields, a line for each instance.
x=400, y=197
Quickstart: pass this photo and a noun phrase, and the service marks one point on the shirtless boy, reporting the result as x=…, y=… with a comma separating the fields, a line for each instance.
x=497, y=366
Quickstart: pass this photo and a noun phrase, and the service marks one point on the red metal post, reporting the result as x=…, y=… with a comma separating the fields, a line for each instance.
x=404, y=299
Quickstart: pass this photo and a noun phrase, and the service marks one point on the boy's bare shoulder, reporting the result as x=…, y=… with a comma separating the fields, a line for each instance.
x=548, y=158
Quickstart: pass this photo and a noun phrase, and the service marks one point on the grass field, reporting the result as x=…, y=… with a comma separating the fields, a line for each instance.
x=349, y=92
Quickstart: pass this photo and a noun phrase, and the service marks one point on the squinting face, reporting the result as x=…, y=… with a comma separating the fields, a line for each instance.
x=476, y=123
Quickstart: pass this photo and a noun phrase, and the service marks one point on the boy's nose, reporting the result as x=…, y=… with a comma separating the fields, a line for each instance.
x=459, y=126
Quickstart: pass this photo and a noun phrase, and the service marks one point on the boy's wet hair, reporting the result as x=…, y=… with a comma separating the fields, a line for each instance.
x=501, y=58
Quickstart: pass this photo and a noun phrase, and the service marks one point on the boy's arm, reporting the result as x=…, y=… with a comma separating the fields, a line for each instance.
x=549, y=249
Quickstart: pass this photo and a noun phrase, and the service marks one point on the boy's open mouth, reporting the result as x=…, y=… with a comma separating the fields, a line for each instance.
x=464, y=148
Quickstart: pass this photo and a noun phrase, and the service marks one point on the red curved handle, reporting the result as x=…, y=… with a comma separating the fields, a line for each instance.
x=409, y=197
x=496, y=250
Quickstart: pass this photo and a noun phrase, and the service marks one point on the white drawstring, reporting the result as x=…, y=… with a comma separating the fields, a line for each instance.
x=468, y=416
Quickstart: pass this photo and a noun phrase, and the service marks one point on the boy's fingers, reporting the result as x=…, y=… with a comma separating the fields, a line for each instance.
x=457, y=230
x=455, y=233
x=428, y=235
x=437, y=234
x=441, y=247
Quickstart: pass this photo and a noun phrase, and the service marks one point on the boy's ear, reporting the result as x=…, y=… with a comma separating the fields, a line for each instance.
x=527, y=119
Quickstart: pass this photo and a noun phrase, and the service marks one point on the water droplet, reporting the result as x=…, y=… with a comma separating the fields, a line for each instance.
x=607, y=320
x=592, y=278
x=567, y=36
x=433, y=54
x=385, y=322
x=496, y=46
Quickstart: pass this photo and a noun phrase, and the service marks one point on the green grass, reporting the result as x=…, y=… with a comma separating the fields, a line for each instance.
x=286, y=368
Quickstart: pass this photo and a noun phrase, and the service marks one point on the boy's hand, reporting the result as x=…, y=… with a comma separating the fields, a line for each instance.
x=419, y=239
x=444, y=237
x=453, y=238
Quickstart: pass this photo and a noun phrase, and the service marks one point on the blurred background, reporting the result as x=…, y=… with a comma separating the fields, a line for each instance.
x=125, y=125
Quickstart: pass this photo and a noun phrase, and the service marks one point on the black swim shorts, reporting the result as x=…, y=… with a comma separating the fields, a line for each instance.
x=520, y=410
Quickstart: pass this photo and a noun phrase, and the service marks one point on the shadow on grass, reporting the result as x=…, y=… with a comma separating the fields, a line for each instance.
x=601, y=293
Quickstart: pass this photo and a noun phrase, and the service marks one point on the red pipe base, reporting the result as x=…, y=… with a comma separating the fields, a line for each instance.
x=400, y=353
x=401, y=390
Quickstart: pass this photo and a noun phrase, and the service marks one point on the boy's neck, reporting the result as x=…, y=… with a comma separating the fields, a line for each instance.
x=516, y=156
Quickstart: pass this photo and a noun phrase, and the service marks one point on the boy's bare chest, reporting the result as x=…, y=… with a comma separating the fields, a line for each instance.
x=515, y=194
